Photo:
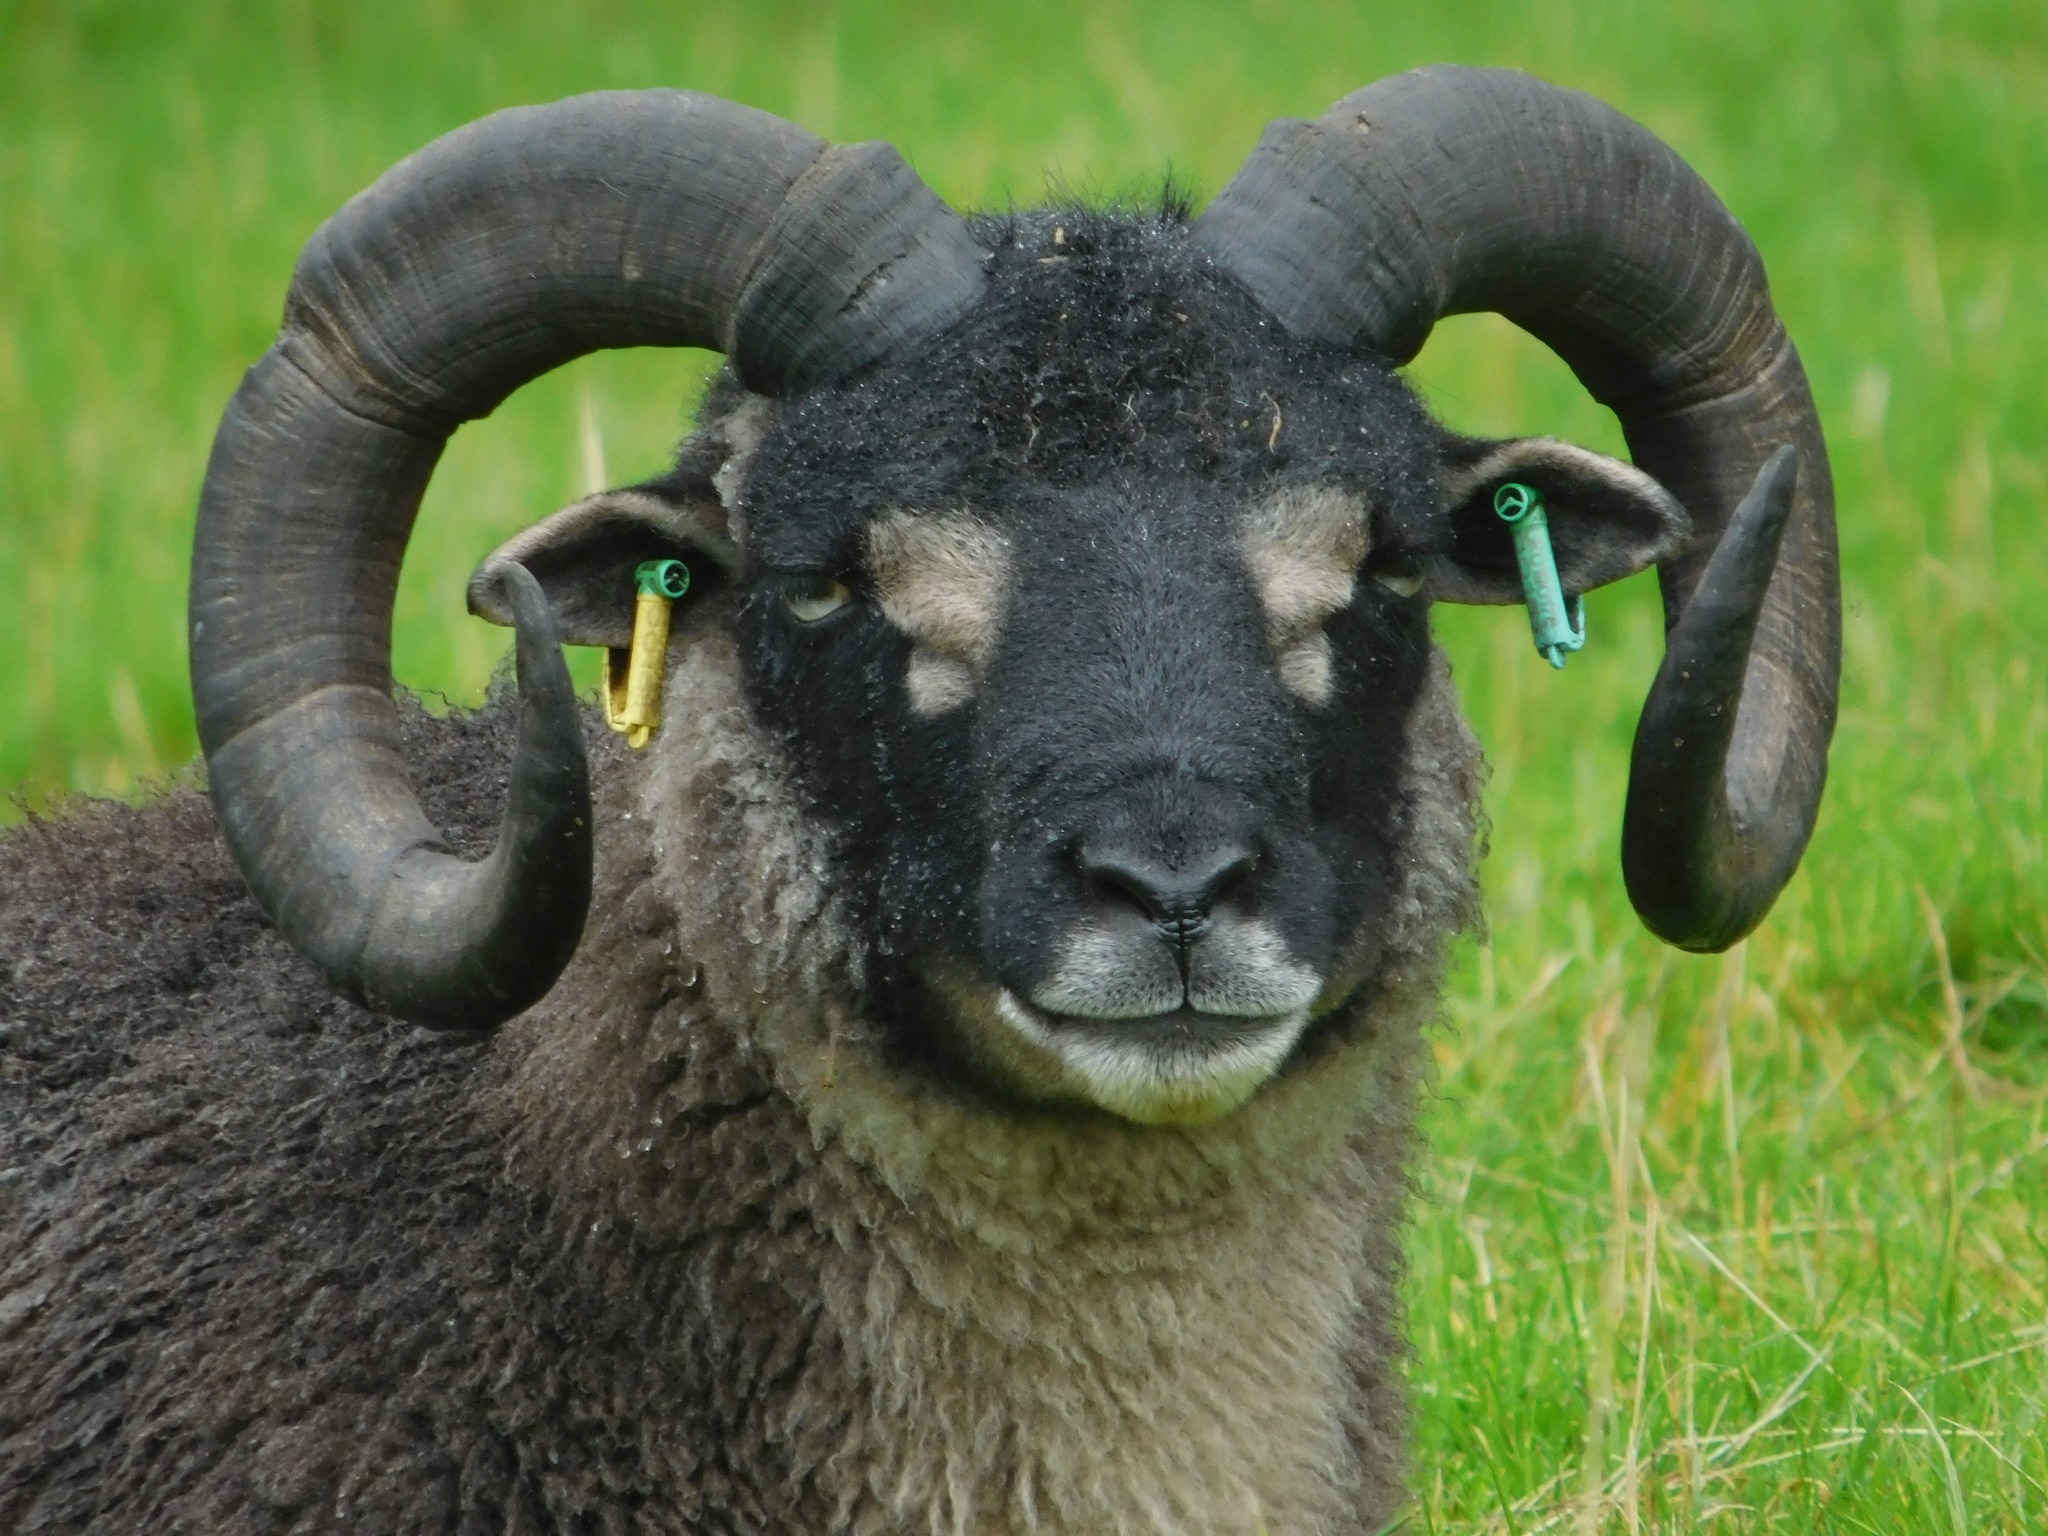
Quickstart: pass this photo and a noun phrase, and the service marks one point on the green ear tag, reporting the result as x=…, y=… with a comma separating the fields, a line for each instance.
x=662, y=578
x=1558, y=622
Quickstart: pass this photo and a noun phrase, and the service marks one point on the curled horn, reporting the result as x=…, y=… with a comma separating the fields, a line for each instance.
x=1447, y=190
x=507, y=248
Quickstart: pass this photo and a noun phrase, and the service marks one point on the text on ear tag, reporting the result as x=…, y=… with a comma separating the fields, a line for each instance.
x=632, y=678
x=1558, y=622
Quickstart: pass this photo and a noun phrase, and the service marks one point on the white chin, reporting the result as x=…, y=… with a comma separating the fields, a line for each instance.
x=1160, y=1076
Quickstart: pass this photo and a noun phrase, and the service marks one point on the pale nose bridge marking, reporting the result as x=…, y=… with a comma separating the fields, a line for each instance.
x=942, y=578
x=1304, y=545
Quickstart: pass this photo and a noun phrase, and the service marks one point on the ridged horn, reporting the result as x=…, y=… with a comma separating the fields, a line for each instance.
x=1448, y=190
x=506, y=248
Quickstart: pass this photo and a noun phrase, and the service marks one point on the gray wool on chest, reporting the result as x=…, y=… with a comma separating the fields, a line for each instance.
x=989, y=1319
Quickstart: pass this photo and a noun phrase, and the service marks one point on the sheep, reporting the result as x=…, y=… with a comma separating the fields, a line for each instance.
x=968, y=1083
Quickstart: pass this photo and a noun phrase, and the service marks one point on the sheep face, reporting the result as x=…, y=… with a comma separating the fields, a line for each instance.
x=1094, y=630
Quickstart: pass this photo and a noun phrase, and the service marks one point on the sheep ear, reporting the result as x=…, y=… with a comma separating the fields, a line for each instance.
x=1607, y=518
x=585, y=555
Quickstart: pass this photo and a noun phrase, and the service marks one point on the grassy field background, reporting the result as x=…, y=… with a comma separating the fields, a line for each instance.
x=1750, y=1243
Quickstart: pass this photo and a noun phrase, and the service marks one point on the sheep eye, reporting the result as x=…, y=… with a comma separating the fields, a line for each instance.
x=1401, y=575
x=816, y=597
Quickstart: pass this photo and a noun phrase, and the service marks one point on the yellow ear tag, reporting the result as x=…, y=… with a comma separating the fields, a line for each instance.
x=632, y=679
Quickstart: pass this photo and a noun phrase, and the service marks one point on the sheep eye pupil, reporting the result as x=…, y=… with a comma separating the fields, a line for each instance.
x=1401, y=575
x=815, y=598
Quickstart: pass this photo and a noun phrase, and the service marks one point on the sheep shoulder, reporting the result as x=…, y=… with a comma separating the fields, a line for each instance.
x=266, y=1262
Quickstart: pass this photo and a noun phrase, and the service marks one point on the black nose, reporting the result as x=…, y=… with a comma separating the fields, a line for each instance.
x=1177, y=897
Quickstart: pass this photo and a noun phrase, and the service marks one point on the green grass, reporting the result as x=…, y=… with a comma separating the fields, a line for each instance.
x=1758, y=1243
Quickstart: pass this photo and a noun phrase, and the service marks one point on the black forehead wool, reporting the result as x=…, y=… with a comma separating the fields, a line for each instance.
x=1108, y=347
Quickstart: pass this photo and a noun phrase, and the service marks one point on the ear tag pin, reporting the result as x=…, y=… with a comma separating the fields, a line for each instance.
x=1558, y=622
x=632, y=679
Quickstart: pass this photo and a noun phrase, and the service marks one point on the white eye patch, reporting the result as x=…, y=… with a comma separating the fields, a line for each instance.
x=940, y=578
x=1304, y=545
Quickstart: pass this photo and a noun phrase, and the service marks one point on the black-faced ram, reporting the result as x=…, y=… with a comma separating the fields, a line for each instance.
x=959, y=1077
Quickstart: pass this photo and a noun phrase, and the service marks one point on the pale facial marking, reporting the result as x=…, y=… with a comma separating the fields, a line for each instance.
x=937, y=683
x=1245, y=970
x=1305, y=668
x=1151, y=1082
x=1107, y=1023
x=940, y=578
x=1238, y=969
x=1304, y=545
x=743, y=429
x=1107, y=975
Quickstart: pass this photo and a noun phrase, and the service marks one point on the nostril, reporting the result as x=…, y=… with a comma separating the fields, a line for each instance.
x=1124, y=882
x=1232, y=868
x=1179, y=897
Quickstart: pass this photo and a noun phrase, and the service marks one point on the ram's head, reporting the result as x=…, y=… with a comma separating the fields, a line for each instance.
x=1083, y=560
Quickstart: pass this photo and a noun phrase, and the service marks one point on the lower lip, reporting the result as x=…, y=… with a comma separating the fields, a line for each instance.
x=1184, y=1027
x=1179, y=1068
x=1185, y=1033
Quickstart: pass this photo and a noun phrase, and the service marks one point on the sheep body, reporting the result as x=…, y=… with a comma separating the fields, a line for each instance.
x=678, y=1250
x=981, y=1095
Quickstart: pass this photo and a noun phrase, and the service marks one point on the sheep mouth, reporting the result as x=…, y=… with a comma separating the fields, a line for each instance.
x=1182, y=1029
x=1181, y=1067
